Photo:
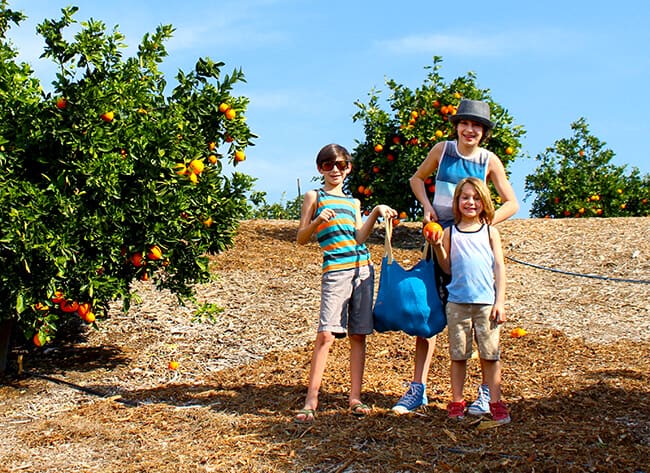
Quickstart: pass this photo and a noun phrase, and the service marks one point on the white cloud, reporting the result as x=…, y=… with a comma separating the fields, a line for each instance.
x=477, y=44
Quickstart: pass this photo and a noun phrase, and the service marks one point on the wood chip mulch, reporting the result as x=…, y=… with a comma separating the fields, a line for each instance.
x=578, y=383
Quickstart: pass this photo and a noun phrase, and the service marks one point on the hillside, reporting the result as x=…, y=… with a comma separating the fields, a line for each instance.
x=578, y=383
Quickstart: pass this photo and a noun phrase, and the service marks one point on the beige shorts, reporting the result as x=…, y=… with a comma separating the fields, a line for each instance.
x=466, y=322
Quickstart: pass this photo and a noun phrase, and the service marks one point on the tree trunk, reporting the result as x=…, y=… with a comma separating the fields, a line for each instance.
x=5, y=337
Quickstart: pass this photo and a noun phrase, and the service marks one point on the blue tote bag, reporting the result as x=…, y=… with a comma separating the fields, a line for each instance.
x=407, y=299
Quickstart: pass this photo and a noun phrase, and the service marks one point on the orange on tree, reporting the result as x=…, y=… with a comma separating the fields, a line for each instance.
x=61, y=103
x=213, y=159
x=224, y=107
x=240, y=156
x=83, y=309
x=154, y=253
x=379, y=148
x=196, y=166
x=137, y=260
x=230, y=114
x=69, y=306
x=37, y=340
x=89, y=317
x=107, y=116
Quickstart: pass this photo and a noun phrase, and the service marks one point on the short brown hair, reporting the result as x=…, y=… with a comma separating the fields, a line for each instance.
x=330, y=152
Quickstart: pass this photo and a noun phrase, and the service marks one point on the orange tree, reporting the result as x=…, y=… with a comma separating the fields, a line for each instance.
x=575, y=178
x=106, y=179
x=398, y=139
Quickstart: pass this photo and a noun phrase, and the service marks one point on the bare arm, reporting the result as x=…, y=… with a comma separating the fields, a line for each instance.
x=509, y=204
x=365, y=228
x=498, y=310
x=308, y=225
x=428, y=167
x=441, y=247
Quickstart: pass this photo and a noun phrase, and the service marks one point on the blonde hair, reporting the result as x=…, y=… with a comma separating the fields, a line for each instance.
x=487, y=214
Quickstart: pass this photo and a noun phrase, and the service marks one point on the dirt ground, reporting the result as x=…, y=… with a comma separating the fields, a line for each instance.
x=578, y=383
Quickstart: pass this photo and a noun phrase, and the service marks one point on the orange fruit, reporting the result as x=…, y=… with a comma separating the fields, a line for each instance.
x=230, y=114
x=57, y=297
x=194, y=178
x=396, y=140
x=390, y=157
x=89, y=317
x=379, y=148
x=240, y=156
x=37, y=340
x=137, y=259
x=396, y=222
x=431, y=188
x=432, y=231
x=83, y=310
x=509, y=150
x=107, y=116
x=61, y=103
x=517, y=332
x=196, y=166
x=212, y=145
x=155, y=253
x=436, y=104
x=361, y=189
x=224, y=107
x=213, y=159
x=228, y=139
x=208, y=222
x=41, y=306
x=581, y=152
x=69, y=306
x=375, y=169
x=438, y=134
x=173, y=365
x=403, y=215
x=181, y=169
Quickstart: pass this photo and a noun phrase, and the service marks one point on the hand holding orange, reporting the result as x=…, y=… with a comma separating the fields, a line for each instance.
x=432, y=231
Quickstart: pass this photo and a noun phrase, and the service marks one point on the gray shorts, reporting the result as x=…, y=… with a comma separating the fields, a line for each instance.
x=346, y=301
x=468, y=321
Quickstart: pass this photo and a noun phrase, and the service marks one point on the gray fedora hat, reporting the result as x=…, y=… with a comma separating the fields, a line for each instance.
x=473, y=110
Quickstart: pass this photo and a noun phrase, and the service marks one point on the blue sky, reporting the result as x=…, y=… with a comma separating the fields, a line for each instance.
x=306, y=62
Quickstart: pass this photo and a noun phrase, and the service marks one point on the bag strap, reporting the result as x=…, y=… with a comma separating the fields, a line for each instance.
x=388, y=248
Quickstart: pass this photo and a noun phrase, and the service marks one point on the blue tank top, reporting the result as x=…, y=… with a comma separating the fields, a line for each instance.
x=453, y=168
x=337, y=237
x=472, y=267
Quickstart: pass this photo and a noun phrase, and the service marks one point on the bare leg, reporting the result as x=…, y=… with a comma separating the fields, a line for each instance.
x=322, y=347
x=492, y=375
x=424, y=349
x=458, y=368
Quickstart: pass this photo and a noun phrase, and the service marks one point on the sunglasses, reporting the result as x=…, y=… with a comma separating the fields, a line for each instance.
x=329, y=165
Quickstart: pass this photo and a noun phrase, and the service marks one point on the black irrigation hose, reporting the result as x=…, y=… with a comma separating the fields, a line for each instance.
x=83, y=389
x=571, y=273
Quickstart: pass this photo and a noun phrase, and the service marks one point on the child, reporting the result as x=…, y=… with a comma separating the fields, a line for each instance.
x=452, y=161
x=347, y=284
x=470, y=250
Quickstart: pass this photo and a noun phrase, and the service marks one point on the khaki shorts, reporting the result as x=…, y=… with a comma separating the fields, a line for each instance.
x=472, y=321
x=346, y=301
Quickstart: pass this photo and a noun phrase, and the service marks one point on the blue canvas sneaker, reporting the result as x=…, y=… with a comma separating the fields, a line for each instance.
x=482, y=404
x=413, y=398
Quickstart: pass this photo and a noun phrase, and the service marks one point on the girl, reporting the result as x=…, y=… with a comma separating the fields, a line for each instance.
x=470, y=251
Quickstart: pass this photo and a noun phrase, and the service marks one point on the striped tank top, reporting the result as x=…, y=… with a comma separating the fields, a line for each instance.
x=337, y=237
x=453, y=168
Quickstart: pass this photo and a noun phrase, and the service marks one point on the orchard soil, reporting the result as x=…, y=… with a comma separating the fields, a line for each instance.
x=578, y=383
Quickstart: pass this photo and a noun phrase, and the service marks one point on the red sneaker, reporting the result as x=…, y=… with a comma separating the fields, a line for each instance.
x=456, y=410
x=499, y=412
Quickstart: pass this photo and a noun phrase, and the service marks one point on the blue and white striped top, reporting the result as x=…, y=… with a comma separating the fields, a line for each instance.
x=337, y=237
x=453, y=168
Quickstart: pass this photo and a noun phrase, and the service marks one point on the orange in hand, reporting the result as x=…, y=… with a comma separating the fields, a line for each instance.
x=432, y=231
